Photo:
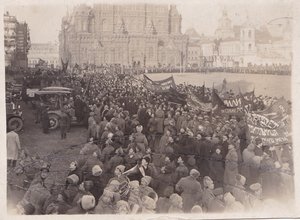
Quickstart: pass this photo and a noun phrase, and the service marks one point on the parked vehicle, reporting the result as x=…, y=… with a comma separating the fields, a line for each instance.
x=53, y=97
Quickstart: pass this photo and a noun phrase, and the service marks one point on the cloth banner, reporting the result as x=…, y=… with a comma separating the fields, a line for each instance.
x=195, y=102
x=161, y=85
x=268, y=130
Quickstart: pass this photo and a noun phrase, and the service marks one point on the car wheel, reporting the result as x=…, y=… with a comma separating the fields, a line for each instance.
x=15, y=123
x=53, y=121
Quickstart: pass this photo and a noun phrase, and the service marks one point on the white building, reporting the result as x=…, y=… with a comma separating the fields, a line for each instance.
x=246, y=45
x=47, y=52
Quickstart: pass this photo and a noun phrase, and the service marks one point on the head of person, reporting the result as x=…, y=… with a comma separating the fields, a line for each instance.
x=176, y=200
x=146, y=180
x=119, y=170
x=208, y=183
x=87, y=202
x=194, y=173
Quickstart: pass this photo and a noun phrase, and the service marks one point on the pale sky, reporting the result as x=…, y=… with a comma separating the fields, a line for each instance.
x=44, y=20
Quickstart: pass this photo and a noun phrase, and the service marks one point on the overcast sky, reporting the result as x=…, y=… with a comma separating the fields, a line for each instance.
x=44, y=20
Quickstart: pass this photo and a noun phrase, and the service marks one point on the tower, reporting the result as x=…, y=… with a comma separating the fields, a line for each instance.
x=247, y=38
x=174, y=20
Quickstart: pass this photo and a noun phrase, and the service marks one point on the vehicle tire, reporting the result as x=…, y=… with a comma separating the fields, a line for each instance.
x=15, y=122
x=53, y=121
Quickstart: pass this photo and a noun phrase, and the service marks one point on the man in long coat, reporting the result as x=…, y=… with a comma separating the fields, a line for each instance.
x=231, y=168
x=191, y=190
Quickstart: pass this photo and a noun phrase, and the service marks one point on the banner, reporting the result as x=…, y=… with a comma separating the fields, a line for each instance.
x=219, y=107
x=159, y=86
x=268, y=130
x=195, y=102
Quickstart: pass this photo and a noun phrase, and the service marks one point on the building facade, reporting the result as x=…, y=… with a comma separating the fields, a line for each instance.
x=139, y=35
x=16, y=42
x=47, y=52
x=246, y=45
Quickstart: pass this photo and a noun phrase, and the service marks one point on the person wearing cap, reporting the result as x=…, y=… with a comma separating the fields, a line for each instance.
x=148, y=205
x=255, y=197
x=163, y=202
x=63, y=123
x=181, y=170
x=160, y=116
x=114, y=161
x=247, y=168
x=258, y=147
x=231, y=168
x=98, y=181
x=57, y=206
x=231, y=205
x=141, y=169
x=144, y=187
x=72, y=188
x=83, y=189
x=90, y=162
x=122, y=207
x=216, y=168
x=89, y=148
x=152, y=130
x=37, y=194
x=269, y=175
x=140, y=139
x=176, y=204
x=239, y=191
x=163, y=142
x=207, y=195
x=109, y=198
x=190, y=190
x=85, y=206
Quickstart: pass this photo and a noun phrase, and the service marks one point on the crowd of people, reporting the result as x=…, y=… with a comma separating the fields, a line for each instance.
x=147, y=155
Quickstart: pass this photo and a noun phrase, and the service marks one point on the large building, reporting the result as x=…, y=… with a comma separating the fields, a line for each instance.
x=45, y=52
x=16, y=42
x=139, y=35
x=247, y=45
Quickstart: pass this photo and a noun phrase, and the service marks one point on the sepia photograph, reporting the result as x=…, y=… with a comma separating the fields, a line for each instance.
x=149, y=107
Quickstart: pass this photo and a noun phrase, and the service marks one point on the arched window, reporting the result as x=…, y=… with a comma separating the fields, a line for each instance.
x=249, y=46
x=249, y=33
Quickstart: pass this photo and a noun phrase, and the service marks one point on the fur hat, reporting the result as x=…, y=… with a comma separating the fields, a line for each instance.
x=241, y=179
x=196, y=209
x=206, y=181
x=134, y=184
x=88, y=202
x=175, y=199
x=148, y=203
x=147, y=179
x=96, y=170
x=121, y=168
x=73, y=179
x=195, y=173
x=255, y=187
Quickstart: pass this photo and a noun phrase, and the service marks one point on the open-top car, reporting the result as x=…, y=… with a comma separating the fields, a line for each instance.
x=53, y=98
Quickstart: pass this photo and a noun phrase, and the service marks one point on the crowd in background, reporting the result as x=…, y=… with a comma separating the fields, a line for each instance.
x=147, y=155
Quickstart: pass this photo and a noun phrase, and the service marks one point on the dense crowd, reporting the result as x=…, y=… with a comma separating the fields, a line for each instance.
x=147, y=155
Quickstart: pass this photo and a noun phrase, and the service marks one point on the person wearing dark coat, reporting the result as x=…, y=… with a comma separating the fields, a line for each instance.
x=98, y=182
x=190, y=190
x=45, y=121
x=216, y=169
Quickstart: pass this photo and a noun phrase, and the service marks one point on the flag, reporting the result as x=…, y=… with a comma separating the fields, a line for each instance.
x=219, y=107
x=195, y=102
